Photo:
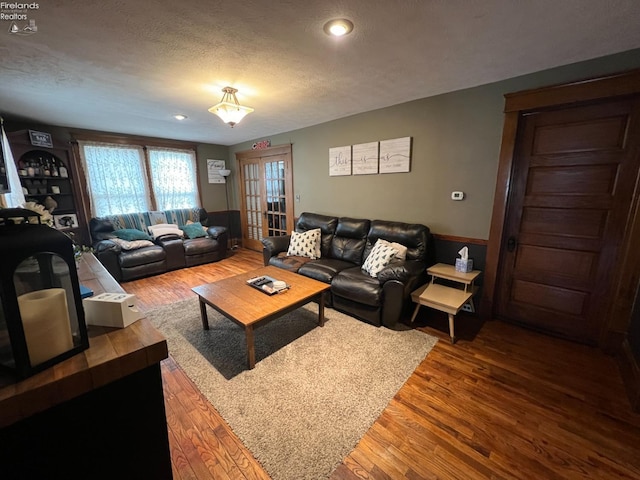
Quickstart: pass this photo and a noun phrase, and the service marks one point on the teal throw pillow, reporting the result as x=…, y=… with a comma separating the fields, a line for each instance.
x=131, y=234
x=193, y=230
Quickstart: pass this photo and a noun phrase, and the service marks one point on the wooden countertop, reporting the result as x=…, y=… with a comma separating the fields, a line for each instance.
x=112, y=354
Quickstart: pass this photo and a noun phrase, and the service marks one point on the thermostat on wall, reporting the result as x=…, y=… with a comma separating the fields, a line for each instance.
x=457, y=195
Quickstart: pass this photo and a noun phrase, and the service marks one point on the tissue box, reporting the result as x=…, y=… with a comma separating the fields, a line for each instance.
x=111, y=310
x=464, y=266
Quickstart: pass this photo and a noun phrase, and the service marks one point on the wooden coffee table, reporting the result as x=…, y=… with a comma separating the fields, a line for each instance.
x=251, y=308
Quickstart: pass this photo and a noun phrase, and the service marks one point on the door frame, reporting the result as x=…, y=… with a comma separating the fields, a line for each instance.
x=626, y=275
x=258, y=154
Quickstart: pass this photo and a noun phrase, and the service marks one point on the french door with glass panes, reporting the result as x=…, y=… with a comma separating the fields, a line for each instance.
x=266, y=191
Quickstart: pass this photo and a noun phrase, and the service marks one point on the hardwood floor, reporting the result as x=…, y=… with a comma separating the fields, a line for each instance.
x=502, y=403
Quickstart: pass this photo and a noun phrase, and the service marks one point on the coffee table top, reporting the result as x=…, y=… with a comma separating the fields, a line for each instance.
x=235, y=299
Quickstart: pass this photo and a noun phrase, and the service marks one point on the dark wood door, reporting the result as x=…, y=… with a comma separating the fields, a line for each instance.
x=573, y=180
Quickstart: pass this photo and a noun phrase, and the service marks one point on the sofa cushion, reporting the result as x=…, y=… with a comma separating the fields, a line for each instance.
x=101, y=229
x=193, y=230
x=379, y=257
x=413, y=236
x=199, y=246
x=131, y=234
x=305, y=244
x=350, y=239
x=326, y=224
x=324, y=269
x=141, y=256
x=288, y=262
x=357, y=286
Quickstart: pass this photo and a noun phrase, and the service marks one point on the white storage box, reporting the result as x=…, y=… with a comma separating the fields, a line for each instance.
x=111, y=310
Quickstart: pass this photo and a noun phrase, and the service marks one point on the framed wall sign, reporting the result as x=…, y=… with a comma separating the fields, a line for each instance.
x=213, y=170
x=365, y=158
x=40, y=139
x=395, y=155
x=340, y=161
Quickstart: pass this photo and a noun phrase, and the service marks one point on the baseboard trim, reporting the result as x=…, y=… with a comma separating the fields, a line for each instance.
x=630, y=370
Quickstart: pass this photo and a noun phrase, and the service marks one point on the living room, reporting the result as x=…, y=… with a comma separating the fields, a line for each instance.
x=456, y=145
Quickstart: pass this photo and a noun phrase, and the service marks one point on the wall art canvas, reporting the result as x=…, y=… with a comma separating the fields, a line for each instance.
x=340, y=161
x=365, y=158
x=395, y=155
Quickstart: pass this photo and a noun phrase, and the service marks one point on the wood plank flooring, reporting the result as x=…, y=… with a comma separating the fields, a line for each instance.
x=502, y=403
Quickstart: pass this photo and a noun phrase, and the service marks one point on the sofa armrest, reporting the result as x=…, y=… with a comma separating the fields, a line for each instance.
x=272, y=246
x=107, y=246
x=216, y=231
x=159, y=240
x=108, y=253
x=402, y=271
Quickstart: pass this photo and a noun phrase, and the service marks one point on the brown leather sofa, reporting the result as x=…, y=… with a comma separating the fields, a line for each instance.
x=345, y=245
x=168, y=252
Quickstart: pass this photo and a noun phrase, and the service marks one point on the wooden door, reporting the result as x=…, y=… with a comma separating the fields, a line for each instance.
x=573, y=180
x=266, y=186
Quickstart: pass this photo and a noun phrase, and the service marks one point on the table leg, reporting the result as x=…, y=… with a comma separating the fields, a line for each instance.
x=451, y=332
x=251, y=349
x=321, y=310
x=203, y=314
x=415, y=312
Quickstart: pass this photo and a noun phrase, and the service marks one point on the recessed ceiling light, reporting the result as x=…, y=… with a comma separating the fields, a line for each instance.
x=338, y=27
x=180, y=117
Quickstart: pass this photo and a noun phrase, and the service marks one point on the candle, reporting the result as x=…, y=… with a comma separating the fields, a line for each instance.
x=45, y=320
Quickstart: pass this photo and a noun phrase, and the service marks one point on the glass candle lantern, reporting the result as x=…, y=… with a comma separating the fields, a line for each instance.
x=42, y=319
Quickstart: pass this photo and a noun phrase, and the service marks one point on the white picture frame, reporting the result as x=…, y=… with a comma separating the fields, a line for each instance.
x=213, y=170
x=65, y=221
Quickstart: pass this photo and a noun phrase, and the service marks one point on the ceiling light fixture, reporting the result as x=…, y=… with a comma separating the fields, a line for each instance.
x=338, y=27
x=180, y=116
x=229, y=110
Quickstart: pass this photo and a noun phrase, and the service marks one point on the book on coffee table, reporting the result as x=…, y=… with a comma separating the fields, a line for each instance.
x=268, y=285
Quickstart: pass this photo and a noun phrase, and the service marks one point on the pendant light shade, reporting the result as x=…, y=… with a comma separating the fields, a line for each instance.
x=229, y=109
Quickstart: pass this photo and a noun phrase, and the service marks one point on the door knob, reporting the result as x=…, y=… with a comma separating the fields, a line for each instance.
x=511, y=244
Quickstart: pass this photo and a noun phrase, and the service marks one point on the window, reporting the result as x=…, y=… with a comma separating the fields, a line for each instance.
x=117, y=179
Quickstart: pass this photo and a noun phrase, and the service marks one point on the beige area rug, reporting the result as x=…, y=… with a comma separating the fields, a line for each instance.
x=314, y=391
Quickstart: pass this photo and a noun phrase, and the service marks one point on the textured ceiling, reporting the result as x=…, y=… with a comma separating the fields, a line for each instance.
x=129, y=66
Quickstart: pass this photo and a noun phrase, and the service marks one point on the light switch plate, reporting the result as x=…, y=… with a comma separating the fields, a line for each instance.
x=457, y=195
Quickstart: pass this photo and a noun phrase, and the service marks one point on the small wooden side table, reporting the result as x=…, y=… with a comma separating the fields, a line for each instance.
x=449, y=299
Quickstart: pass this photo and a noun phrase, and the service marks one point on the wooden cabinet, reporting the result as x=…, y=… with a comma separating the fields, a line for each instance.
x=49, y=178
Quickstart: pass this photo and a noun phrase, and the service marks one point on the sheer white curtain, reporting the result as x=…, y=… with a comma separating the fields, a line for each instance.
x=116, y=178
x=15, y=197
x=174, y=178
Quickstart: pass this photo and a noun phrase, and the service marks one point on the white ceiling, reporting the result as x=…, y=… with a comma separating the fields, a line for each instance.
x=129, y=66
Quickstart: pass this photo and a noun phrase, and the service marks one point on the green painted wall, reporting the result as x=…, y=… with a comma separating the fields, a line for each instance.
x=456, y=144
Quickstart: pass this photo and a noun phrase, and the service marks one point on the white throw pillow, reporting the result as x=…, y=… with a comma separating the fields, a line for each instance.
x=132, y=245
x=165, y=229
x=305, y=244
x=402, y=250
x=380, y=256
